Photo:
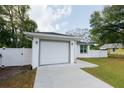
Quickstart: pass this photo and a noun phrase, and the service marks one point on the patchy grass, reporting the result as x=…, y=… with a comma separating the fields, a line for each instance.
x=24, y=79
x=116, y=56
x=110, y=70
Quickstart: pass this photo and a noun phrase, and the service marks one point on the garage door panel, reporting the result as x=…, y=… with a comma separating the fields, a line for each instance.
x=52, y=52
x=53, y=61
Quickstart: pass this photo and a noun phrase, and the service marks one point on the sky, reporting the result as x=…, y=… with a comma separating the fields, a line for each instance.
x=62, y=18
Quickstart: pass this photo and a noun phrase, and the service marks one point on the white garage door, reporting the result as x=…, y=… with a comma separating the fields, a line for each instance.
x=54, y=52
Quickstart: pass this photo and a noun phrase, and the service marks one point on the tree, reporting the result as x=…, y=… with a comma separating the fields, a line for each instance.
x=83, y=33
x=108, y=26
x=96, y=23
x=4, y=34
x=16, y=20
x=29, y=26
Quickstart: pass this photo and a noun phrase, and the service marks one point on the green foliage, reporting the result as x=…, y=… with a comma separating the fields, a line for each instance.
x=108, y=26
x=14, y=20
x=93, y=47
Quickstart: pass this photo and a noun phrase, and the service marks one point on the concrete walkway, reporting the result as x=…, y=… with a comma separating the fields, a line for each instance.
x=67, y=76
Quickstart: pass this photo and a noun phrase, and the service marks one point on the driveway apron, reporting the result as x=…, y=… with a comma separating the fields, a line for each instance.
x=67, y=76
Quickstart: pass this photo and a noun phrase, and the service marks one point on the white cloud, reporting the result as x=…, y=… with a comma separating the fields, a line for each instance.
x=47, y=17
x=63, y=24
x=57, y=27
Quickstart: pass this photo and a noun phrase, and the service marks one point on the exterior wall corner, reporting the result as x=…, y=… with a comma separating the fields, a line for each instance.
x=35, y=52
x=72, y=51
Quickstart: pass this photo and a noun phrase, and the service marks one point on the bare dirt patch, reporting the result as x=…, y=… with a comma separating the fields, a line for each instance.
x=17, y=77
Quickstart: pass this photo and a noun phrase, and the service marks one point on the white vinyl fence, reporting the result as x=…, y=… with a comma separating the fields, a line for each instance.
x=94, y=54
x=15, y=56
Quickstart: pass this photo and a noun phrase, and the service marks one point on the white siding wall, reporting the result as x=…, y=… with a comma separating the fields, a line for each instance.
x=15, y=56
x=91, y=53
x=75, y=53
x=35, y=52
x=72, y=51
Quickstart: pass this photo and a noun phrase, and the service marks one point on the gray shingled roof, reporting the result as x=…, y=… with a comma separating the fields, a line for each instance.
x=112, y=45
x=86, y=43
x=52, y=33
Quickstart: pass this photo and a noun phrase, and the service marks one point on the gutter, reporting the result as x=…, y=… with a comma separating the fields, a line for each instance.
x=31, y=35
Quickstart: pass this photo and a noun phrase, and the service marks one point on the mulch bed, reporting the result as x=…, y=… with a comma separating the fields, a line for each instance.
x=7, y=72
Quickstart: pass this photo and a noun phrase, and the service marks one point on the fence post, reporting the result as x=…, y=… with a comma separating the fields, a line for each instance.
x=3, y=56
x=22, y=55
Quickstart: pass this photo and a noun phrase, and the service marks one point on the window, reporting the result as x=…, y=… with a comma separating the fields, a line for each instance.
x=113, y=49
x=83, y=48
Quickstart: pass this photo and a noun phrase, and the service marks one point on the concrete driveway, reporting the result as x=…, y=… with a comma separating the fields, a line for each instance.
x=67, y=76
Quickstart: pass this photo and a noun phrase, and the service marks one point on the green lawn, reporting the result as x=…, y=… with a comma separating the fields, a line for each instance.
x=110, y=70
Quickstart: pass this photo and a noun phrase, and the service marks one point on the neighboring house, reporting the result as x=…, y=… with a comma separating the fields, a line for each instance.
x=54, y=48
x=113, y=48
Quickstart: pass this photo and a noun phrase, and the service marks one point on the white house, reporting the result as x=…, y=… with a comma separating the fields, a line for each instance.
x=55, y=48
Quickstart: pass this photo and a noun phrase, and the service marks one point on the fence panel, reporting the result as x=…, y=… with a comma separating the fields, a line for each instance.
x=27, y=56
x=15, y=56
x=12, y=57
x=94, y=54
